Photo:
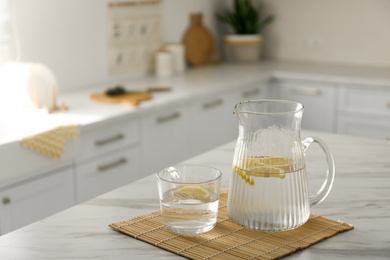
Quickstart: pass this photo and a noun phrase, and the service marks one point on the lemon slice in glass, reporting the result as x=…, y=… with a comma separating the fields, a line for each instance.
x=193, y=192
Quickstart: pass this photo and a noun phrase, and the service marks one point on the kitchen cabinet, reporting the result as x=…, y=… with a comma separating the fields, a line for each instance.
x=372, y=127
x=106, y=172
x=364, y=112
x=165, y=138
x=120, y=144
x=108, y=136
x=210, y=122
x=26, y=202
x=259, y=89
x=319, y=101
x=109, y=157
x=212, y=119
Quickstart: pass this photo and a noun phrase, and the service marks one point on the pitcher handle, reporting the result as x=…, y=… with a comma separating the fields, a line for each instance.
x=321, y=194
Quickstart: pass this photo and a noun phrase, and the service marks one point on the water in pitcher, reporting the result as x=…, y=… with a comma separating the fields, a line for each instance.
x=266, y=194
x=268, y=185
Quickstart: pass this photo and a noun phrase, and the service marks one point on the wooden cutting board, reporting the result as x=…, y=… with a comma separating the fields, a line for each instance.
x=130, y=99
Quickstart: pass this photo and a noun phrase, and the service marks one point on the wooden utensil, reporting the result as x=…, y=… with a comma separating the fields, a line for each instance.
x=131, y=99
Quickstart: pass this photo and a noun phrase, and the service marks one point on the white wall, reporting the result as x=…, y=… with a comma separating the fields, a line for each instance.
x=176, y=16
x=66, y=35
x=5, y=31
x=69, y=36
x=337, y=31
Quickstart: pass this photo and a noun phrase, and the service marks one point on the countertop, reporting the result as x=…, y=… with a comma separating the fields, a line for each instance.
x=199, y=82
x=360, y=196
x=189, y=86
x=192, y=84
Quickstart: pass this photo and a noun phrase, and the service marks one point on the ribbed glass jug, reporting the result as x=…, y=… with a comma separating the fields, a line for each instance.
x=268, y=186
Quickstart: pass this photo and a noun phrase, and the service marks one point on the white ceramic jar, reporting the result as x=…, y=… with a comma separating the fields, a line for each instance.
x=164, y=63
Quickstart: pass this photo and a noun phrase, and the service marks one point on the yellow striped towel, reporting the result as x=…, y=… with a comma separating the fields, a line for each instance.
x=52, y=142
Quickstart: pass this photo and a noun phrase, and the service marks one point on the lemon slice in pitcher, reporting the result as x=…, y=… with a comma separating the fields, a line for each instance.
x=276, y=161
x=193, y=192
x=267, y=171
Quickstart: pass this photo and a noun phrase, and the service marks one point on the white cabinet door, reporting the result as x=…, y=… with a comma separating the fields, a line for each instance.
x=213, y=122
x=254, y=91
x=35, y=199
x=165, y=138
x=108, y=136
x=210, y=120
x=109, y=158
x=365, y=126
x=364, y=112
x=365, y=101
x=106, y=172
x=319, y=101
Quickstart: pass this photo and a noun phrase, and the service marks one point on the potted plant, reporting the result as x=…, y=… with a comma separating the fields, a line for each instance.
x=247, y=21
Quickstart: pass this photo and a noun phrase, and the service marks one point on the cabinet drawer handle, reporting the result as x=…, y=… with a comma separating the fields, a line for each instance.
x=6, y=200
x=306, y=91
x=167, y=118
x=249, y=93
x=213, y=104
x=111, y=165
x=108, y=140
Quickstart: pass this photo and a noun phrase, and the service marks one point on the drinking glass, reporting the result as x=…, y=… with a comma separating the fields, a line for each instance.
x=189, y=197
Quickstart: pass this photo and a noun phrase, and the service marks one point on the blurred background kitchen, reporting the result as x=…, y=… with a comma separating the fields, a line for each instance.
x=333, y=56
x=71, y=37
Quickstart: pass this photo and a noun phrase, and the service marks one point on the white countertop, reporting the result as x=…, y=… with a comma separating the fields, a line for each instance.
x=199, y=82
x=360, y=196
x=188, y=86
x=195, y=83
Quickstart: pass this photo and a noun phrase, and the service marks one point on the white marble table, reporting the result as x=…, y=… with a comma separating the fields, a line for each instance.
x=360, y=196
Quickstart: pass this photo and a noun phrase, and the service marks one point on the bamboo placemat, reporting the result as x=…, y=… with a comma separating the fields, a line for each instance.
x=229, y=240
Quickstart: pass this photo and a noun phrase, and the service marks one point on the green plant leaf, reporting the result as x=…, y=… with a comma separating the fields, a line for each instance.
x=222, y=18
x=264, y=23
x=245, y=18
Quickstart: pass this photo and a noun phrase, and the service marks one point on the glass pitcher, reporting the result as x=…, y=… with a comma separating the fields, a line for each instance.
x=268, y=186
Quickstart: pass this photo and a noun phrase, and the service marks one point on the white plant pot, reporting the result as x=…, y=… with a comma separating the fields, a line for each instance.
x=242, y=48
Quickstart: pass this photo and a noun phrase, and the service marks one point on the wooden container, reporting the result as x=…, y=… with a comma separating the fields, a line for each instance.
x=198, y=41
